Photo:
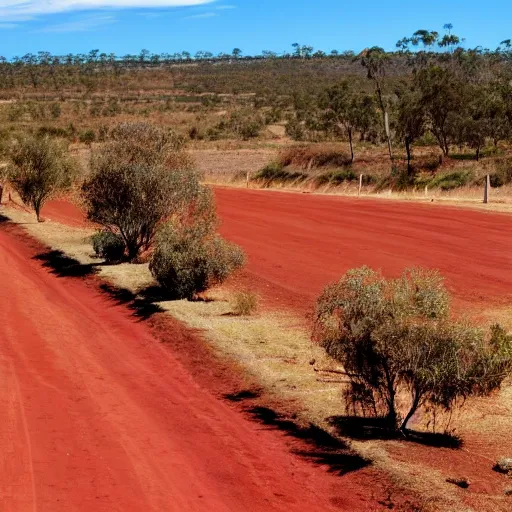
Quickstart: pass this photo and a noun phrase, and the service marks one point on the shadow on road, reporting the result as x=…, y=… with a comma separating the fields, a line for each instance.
x=142, y=304
x=319, y=447
x=64, y=266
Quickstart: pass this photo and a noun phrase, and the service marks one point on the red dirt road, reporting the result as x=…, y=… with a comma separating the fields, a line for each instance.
x=98, y=416
x=298, y=243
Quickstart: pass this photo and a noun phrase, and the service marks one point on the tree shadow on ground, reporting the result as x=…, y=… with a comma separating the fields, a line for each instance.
x=240, y=396
x=63, y=266
x=143, y=304
x=3, y=219
x=322, y=448
x=360, y=428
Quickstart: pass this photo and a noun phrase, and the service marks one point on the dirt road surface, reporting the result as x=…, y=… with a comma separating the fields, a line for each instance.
x=298, y=243
x=98, y=416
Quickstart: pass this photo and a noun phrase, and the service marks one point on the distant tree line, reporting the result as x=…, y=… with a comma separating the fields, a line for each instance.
x=455, y=97
x=423, y=44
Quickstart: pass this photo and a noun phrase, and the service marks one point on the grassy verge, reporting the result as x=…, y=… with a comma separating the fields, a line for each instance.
x=275, y=350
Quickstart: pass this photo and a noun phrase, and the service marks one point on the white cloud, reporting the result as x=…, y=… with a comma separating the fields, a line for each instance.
x=80, y=25
x=202, y=15
x=8, y=26
x=223, y=7
x=26, y=9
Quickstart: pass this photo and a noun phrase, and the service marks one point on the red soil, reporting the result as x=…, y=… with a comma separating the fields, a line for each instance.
x=98, y=416
x=298, y=243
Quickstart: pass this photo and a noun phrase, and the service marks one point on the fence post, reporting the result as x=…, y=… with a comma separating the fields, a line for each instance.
x=426, y=190
x=247, y=178
x=360, y=184
x=486, y=189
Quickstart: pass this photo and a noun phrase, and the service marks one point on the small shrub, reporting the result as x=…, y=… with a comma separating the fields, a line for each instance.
x=398, y=179
x=102, y=133
x=245, y=124
x=244, y=303
x=274, y=173
x=502, y=175
x=395, y=337
x=451, y=180
x=504, y=465
x=52, y=131
x=185, y=262
x=335, y=177
x=295, y=130
x=189, y=256
x=87, y=137
x=313, y=156
x=55, y=110
x=108, y=245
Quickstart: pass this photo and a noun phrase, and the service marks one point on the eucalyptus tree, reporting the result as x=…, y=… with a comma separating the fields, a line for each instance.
x=375, y=61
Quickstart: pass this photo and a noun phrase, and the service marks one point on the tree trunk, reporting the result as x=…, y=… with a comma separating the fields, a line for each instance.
x=392, y=416
x=351, y=145
x=414, y=407
x=408, y=151
x=133, y=250
x=478, y=153
x=385, y=118
x=37, y=209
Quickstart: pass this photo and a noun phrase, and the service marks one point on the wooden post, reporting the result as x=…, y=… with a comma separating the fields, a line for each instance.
x=360, y=184
x=486, y=189
x=247, y=178
x=426, y=190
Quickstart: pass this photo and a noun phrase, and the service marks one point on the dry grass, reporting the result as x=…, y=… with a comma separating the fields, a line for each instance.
x=223, y=166
x=275, y=349
x=244, y=303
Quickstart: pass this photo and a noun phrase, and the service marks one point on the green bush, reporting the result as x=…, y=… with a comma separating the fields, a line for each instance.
x=398, y=179
x=186, y=261
x=55, y=110
x=108, y=245
x=308, y=156
x=39, y=168
x=189, y=256
x=451, y=180
x=502, y=175
x=396, y=338
x=336, y=177
x=138, y=179
x=52, y=131
x=87, y=137
x=274, y=173
x=295, y=129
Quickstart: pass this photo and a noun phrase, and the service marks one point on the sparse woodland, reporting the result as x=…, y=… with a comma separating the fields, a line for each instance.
x=434, y=106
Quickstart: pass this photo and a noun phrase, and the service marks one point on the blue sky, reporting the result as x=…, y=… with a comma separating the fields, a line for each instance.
x=126, y=26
